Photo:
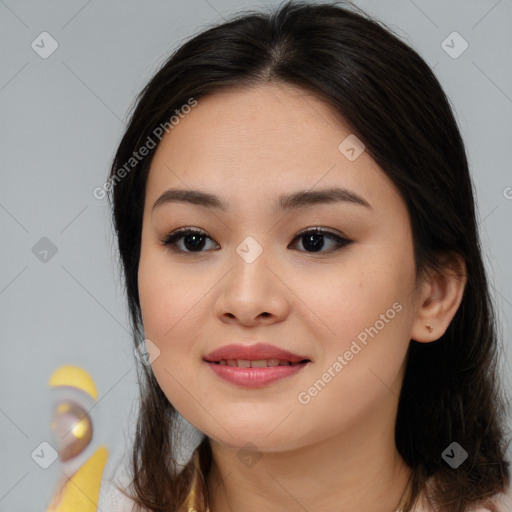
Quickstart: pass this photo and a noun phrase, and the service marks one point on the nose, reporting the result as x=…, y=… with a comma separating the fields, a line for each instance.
x=252, y=294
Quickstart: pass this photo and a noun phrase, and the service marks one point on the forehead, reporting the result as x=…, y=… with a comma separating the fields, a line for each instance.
x=258, y=141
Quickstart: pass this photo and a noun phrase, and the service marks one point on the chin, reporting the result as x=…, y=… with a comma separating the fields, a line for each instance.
x=256, y=440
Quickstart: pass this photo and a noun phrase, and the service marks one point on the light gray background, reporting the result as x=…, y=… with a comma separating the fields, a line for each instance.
x=62, y=118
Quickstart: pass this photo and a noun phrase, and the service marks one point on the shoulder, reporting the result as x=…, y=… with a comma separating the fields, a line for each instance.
x=502, y=502
x=110, y=497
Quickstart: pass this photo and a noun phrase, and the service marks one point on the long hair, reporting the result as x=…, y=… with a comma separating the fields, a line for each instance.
x=395, y=105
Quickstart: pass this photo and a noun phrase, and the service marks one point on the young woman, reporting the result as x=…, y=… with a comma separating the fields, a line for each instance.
x=296, y=224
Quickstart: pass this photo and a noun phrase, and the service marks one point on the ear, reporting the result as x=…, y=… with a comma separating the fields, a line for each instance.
x=439, y=299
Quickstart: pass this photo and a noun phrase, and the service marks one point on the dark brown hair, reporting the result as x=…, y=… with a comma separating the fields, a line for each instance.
x=393, y=102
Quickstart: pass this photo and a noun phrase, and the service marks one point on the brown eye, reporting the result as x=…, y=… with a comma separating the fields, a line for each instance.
x=314, y=240
x=193, y=240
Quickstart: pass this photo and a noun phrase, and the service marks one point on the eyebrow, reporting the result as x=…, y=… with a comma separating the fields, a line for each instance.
x=285, y=202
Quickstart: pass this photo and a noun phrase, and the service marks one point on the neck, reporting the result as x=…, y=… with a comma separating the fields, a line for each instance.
x=359, y=469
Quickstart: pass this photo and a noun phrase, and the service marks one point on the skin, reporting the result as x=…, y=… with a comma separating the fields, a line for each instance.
x=337, y=452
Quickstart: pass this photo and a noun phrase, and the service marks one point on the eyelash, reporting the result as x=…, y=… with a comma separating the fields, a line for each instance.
x=170, y=240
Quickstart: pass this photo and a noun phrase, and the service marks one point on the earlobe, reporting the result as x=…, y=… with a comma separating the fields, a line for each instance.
x=439, y=300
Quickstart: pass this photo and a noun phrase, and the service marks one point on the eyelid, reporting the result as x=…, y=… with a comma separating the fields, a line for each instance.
x=321, y=230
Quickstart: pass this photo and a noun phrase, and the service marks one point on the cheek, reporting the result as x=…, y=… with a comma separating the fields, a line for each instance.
x=359, y=366
x=168, y=295
x=353, y=296
x=369, y=315
x=171, y=305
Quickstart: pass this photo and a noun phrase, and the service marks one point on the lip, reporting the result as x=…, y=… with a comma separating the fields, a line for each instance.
x=253, y=352
x=254, y=377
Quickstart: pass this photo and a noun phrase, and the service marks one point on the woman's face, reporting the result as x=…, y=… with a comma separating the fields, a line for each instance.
x=348, y=307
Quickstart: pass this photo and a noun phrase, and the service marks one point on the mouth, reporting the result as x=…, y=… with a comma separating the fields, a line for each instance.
x=256, y=373
x=261, y=363
x=258, y=355
x=256, y=365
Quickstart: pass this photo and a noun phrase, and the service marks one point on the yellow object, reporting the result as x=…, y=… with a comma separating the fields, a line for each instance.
x=81, y=429
x=192, y=500
x=75, y=376
x=82, y=490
